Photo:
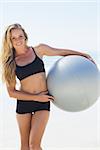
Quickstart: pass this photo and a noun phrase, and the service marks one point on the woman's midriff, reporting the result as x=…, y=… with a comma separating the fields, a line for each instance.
x=34, y=84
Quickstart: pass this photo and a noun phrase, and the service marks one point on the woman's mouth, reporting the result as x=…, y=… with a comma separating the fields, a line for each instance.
x=19, y=43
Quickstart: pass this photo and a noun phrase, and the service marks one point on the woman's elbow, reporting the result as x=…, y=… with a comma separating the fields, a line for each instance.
x=11, y=93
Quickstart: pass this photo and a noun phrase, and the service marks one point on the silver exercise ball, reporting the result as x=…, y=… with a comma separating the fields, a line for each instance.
x=73, y=81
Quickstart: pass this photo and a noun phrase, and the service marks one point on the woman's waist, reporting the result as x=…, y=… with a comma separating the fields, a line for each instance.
x=34, y=90
x=33, y=87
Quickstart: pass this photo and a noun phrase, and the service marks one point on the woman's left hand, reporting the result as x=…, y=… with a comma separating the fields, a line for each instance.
x=89, y=57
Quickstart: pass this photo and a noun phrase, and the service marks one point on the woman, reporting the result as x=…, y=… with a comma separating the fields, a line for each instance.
x=33, y=101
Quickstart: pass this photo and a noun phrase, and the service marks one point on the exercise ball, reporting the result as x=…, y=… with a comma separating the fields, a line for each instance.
x=73, y=81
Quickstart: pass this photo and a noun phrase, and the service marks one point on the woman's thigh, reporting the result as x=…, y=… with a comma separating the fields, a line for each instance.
x=24, y=123
x=38, y=125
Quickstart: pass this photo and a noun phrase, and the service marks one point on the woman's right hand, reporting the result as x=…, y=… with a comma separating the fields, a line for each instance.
x=44, y=98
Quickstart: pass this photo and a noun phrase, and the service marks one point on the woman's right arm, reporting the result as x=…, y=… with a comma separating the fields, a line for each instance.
x=25, y=96
x=13, y=93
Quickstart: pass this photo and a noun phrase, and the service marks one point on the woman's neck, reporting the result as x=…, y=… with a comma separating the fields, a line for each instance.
x=21, y=51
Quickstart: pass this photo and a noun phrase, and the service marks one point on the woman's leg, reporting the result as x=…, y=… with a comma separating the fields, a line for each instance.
x=38, y=124
x=24, y=123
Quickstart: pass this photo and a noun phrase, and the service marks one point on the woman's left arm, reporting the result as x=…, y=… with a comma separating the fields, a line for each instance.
x=50, y=51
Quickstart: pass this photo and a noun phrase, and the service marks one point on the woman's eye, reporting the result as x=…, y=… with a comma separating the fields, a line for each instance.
x=13, y=38
x=21, y=36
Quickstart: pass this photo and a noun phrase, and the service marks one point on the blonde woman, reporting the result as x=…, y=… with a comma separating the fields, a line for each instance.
x=33, y=101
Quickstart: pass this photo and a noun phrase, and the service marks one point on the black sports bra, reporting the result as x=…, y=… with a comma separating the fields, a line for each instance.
x=36, y=66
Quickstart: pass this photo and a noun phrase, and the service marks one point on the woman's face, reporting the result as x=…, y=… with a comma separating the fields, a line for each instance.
x=18, y=38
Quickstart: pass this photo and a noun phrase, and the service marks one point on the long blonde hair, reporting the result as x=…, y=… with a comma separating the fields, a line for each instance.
x=8, y=55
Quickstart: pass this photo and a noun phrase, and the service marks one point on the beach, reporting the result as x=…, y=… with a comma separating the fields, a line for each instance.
x=70, y=25
x=65, y=130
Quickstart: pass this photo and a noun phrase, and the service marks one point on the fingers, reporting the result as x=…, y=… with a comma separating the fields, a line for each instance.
x=89, y=57
x=51, y=98
x=47, y=95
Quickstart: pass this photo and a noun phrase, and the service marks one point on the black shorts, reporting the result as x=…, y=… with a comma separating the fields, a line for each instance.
x=24, y=106
x=31, y=106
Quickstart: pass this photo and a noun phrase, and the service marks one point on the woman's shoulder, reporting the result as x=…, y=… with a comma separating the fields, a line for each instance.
x=40, y=48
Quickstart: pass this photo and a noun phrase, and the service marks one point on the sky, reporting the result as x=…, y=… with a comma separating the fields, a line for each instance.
x=62, y=24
